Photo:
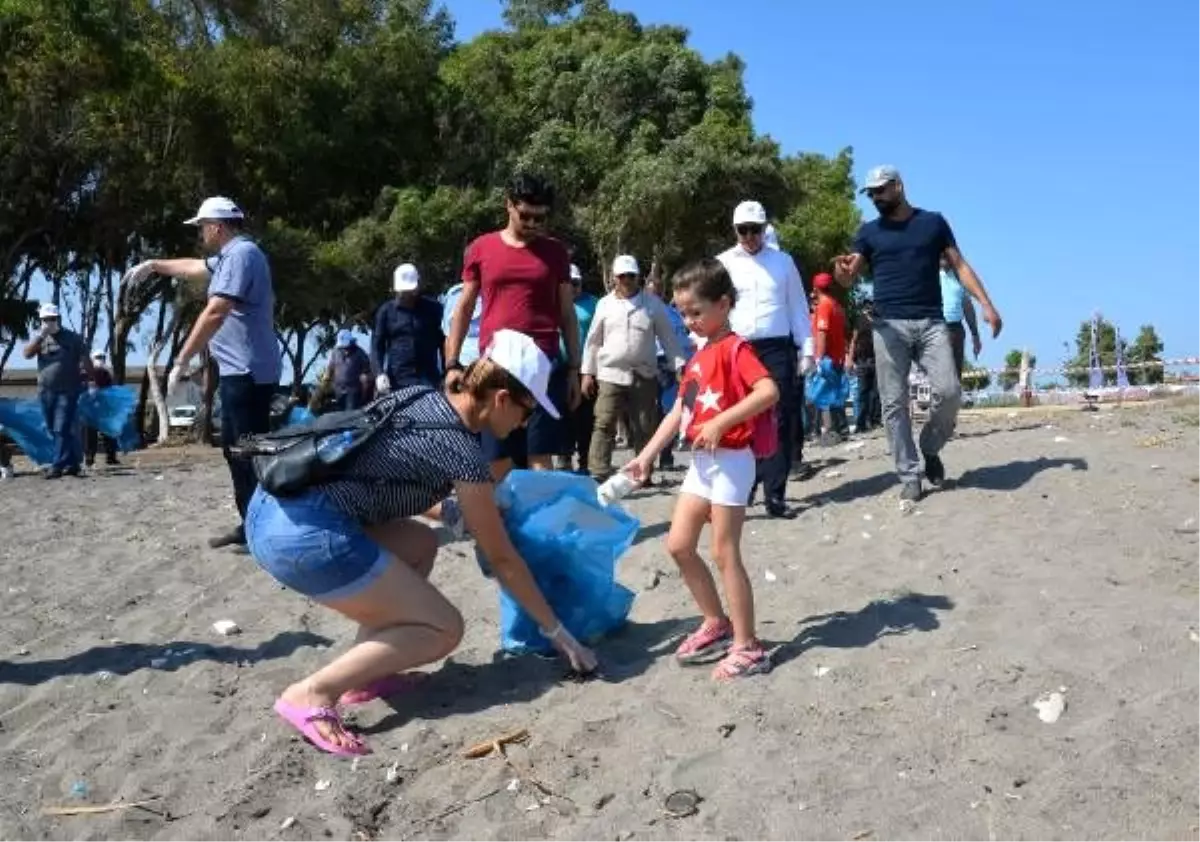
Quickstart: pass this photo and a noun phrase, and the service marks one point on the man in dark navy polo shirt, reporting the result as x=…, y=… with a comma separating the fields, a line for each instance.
x=407, y=341
x=902, y=251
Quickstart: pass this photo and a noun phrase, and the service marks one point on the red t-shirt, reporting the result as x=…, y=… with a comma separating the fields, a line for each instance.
x=519, y=287
x=706, y=387
x=831, y=318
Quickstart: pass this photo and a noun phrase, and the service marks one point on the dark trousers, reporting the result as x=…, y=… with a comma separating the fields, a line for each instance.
x=868, y=412
x=579, y=432
x=92, y=439
x=958, y=344
x=245, y=411
x=778, y=356
x=354, y=399
x=60, y=410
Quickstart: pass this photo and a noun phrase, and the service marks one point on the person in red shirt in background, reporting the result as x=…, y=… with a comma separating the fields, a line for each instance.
x=717, y=486
x=524, y=276
x=829, y=353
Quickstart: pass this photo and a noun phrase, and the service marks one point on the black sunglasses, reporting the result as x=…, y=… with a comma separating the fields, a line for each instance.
x=748, y=230
x=535, y=217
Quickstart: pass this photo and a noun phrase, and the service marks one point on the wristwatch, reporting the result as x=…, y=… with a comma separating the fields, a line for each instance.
x=453, y=365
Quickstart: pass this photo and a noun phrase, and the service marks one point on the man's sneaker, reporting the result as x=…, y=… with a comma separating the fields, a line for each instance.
x=911, y=492
x=779, y=511
x=935, y=471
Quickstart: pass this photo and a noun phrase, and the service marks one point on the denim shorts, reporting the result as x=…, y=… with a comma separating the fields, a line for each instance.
x=308, y=545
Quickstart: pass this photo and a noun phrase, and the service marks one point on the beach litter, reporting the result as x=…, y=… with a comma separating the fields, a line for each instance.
x=1061, y=439
x=832, y=474
x=854, y=445
x=1050, y=707
x=769, y=576
x=392, y=774
x=682, y=803
x=820, y=671
x=288, y=822
x=226, y=627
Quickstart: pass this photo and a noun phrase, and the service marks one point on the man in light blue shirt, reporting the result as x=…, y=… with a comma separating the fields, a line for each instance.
x=957, y=308
x=237, y=326
x=470, y=347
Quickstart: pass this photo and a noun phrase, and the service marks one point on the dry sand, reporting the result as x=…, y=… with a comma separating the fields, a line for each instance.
x=911, y=650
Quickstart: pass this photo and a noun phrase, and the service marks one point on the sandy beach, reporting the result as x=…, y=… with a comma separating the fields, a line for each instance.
x=910, y=651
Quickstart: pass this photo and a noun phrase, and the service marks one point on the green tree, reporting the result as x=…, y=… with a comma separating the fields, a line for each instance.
x=1106, y=342
x=1012, y=368
x=976, y=379
x=1146, y=353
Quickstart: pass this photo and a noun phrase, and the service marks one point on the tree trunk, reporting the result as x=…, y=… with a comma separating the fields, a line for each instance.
x=20, y=292
x=164, y=337
x=202, y=427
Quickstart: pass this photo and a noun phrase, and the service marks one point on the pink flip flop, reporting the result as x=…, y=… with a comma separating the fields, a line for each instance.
x=304, y=720
x=382, y=688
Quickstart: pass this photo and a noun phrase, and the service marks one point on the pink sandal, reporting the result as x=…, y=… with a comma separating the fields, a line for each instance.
x=382, y=688
x=305, y=721
x=743, y=662
x=705, y=643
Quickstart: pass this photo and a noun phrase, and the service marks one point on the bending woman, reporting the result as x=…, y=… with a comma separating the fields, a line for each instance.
x=350, y=544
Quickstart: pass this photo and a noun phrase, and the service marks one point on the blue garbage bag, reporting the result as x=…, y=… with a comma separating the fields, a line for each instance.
x=827, y=388
x=24, y=423
x=111, y=411
x=572, y=545
x=298, y=415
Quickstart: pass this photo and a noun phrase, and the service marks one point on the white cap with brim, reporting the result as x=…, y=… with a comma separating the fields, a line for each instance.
x=517, y=354
x=406, y=278
x=626, y=264
x=215, y=209
x=749, y=213
x=48, y=311
x=576, y=275
x=879, y=176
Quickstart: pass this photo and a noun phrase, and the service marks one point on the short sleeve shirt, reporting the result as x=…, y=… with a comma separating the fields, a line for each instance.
x=905, y=260
x=831, y=318
x=406, y=470
x=245, y=343
x=520, y=287
x=59, y=362
x=708, y=387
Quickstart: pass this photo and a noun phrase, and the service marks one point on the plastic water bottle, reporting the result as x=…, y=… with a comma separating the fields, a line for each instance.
x=614, y=488
x=333, y=447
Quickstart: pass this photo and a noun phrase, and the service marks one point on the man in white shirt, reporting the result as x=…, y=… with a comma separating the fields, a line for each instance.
x=620, y=363
x=772, y=313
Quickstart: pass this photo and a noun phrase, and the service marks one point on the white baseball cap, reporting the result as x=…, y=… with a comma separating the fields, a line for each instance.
x=406, y=278
x=626, y=264
x=749, y=213
x=517, y=354
x=576, y=275
x=98, y=355
x=879, y=176
x=48, y=311
x=214, y=208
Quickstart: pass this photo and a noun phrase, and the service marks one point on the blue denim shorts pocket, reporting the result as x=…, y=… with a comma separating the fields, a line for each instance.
x=306, y=544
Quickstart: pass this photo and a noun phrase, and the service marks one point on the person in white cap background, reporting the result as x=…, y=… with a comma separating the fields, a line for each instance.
x=62, y=362
x=407, y=341
x=237, y=327
x=582, y=418
x=347, y=377
x=351, y=544
x=102, y=378
x=620, y=363
x=772, y=314
x=902, y=250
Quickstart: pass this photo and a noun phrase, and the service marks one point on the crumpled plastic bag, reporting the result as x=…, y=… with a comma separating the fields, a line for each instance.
x=298, y=415
x=111, y=411
x=826, y=387
x=24, y=423
x=572, y=545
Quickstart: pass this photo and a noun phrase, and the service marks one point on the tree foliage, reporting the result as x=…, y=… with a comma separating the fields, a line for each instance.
x=1143, y=357
x=358, y=135
x=1011, y=375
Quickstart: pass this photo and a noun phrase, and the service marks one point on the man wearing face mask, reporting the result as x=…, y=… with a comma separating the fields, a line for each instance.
x=772, y=313
x=62, y=362
x=903, y=249
x=238, y=327
x=407, y=340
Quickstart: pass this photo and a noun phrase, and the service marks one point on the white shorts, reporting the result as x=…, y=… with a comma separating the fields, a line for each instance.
x=724, y=478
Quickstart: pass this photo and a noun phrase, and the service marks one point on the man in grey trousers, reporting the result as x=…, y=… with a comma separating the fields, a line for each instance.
x=903, y=249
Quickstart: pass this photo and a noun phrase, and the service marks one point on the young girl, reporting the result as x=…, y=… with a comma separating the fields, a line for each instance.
x=718, y=483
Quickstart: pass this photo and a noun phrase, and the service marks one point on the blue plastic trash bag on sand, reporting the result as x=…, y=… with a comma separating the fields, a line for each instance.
x=111, y=411
x=572, y=544
x=24, y=424
x=827, y=388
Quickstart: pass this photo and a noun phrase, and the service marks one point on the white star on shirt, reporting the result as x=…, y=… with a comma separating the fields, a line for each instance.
x=709, y=400
x=696, y=369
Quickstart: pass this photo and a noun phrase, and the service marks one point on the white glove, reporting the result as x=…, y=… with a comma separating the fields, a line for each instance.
x=382, y=384
x=138, y=273
x=182, y=369
x=582, y=659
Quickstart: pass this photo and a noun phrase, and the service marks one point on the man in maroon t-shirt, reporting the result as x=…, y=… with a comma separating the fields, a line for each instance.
x=524, y=276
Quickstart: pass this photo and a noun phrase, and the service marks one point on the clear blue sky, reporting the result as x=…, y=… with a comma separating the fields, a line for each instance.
x=1059, y=138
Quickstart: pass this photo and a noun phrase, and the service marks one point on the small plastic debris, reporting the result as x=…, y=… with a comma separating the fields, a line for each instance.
x=514, y=785
x=682, y=803
x=820, y=671
x=354, y=764
x=404, y=748
x=1011, y=415
x=868, y=517
x=226, y=627
x=158, y=477
x=392, y=774
x=769, y=576
x=854, y=445
x=288, y=822
x=323, y=785
x=1194, y=636
x=832, y=474
x=1061, y=439
x=1050, y=707
x=1156, y=467
x=801, y=807
x=866, y=536
x=531, y=807
x=104, y=675
x=22, y=651
x=79, y=789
